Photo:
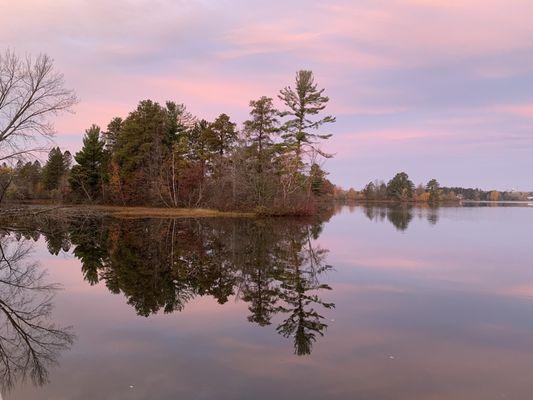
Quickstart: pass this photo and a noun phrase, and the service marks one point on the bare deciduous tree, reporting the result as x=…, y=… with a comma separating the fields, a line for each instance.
x=31, y=92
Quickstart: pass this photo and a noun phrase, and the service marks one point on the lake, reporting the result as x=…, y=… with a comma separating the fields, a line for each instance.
x=364, y=303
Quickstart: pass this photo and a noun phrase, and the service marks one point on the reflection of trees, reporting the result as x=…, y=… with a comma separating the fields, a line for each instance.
x=29, y=341
x=433, y=215
x=400, y=215
x=299, y=287
x=161, y=264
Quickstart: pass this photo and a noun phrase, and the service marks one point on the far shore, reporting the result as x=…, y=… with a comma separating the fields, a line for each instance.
x=441, y=203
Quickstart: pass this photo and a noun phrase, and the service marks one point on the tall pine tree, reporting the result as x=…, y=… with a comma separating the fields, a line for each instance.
x=260, y=128
x=87, y=176
x=304, y=102
x=54, y=169
x=224, y=134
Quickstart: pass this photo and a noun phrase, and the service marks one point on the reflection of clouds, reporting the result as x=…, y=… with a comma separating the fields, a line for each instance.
x=469, y=249
x=524, y=290
x=353, y=359
x=383, y=262
x=440, y=315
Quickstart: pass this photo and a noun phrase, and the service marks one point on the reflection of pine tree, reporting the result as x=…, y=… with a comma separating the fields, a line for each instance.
x=57, y=237
x=300, y=282
x=90, y=246
x=258, y=263
x=262, y=296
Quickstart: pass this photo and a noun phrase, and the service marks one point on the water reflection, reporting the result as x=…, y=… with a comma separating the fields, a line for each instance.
x=162, y=264
x=30, y=342
x=400, y=215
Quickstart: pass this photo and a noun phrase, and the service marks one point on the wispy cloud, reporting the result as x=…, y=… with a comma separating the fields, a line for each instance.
x=401, y=74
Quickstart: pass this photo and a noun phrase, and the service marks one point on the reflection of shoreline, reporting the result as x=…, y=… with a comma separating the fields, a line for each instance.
x=442, y=204
x=162, y=264
x=30, y=342
x=503, y=202
x=400, y=216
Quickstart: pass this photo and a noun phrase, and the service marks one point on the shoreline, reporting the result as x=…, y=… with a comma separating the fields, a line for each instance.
x=125, y=211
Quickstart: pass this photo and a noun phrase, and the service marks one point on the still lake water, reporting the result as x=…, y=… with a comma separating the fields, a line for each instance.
x=372, y=303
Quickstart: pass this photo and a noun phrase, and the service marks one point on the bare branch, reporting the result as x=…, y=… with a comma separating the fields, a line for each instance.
x=31, y=92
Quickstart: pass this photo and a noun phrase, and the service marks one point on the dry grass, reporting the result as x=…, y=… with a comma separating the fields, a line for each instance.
x=154, y=212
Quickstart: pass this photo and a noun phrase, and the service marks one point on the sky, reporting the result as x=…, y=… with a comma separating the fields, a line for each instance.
x=436, y=88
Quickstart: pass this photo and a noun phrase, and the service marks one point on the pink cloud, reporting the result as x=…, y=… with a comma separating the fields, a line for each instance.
x=521, y=110
x=209, y=90
x=346, y=145
x=288, y=36
x=422, y=32
x=91, y=112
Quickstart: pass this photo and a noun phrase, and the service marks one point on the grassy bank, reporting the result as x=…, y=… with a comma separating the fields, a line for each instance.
x=154, y=212
x=122, y=212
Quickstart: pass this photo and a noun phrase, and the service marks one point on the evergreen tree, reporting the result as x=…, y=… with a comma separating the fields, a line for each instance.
x=433, y=188
x=67, y=160
x=112, y=132
x=304, y=102
x=400, y=188
x=140, y=149
x=54, y=169
x=318, y=180
x=179, y=120
x=87, y=175
x=198, y=143
x=261, y=127
x=370, y=191
x=224, y=134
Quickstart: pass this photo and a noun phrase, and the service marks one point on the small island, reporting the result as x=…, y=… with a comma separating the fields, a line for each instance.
x=162, y=156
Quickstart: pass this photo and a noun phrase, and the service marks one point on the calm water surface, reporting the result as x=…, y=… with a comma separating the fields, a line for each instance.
x=370, y=303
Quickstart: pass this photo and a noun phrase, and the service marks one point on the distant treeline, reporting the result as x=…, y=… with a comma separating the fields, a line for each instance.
x=164, y=156
x=401, y=189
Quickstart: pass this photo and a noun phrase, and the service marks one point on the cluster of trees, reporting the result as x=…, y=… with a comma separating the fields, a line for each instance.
x=163, y=156
x=484, y=195
x=31, y=180
x=400, y=189
x=159, y=265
